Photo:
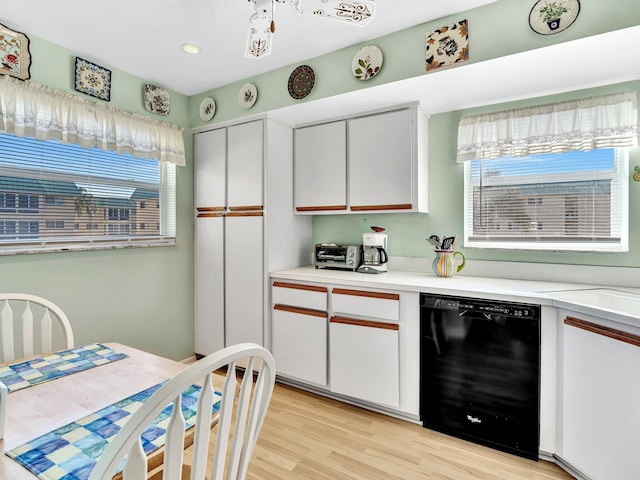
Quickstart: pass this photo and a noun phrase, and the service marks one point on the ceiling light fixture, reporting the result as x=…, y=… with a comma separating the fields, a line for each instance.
x=190, y=48
x=262, y=25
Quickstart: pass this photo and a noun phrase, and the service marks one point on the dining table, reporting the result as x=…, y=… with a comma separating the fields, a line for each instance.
x=41, y=408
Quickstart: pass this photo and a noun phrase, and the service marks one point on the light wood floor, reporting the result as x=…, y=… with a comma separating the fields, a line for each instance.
x=306, y=436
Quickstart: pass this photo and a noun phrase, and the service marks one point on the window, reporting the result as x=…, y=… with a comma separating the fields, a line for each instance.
x=62, y=196
x=566, y=201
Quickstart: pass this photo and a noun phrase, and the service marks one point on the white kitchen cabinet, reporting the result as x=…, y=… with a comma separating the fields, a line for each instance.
x=364, y=360
x=244, y=274
x=209, y=281
x=380, y=305
x=320, y=168
x=364, y=355
x=244, y=166
x=381, y=156
x=299, y=343
x=251, y=233
x=210, y=182
x=299, y=333
x=600, y=399
x=384, y=168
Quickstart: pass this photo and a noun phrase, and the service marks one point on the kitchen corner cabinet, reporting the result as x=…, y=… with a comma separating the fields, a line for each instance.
x=600, y=398
x=244, y=228
x=371, y=163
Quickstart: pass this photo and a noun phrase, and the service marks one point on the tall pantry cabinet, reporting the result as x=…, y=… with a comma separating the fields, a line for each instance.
x=245, y=227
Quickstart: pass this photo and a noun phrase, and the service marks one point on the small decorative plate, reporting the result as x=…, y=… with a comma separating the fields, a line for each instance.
x=157, y=100
x=207, y=108
x=301, y=81
x=366, y=63
x=93, y=79
x=247, y=96
x=547, y=18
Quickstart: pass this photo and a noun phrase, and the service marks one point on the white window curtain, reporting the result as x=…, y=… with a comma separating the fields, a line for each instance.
x=28, y=109
x=606, y=121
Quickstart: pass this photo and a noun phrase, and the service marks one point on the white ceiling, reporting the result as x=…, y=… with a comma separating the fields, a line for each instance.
x=143, y=37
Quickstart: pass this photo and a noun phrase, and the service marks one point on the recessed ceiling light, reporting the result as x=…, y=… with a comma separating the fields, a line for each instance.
x=190, y=48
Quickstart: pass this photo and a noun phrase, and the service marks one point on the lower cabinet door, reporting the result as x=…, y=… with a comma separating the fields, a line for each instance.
x=601, y=400
x=364, y=360
x=299, y=343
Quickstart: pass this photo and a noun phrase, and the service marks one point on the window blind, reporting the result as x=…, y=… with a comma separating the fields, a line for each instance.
x=570, y=201
x=63, y=196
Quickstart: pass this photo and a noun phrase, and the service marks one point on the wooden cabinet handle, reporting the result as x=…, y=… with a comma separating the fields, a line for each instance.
x=399, y=206
x=300, y=311
x=362, y=293
x=300, y=286
x=321, y=208
x=365, y=323
x=210, y=209
x=244, y=214
x=244, y=208
x=602, y=330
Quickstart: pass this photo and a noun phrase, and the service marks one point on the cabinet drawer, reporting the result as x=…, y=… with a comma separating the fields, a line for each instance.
x=381, y=305
x=299, y=343
x=299, y=295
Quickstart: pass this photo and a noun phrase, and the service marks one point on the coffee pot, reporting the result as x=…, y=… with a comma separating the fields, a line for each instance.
x=374, y=254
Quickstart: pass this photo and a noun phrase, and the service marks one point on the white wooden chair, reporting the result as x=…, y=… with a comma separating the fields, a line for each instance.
x=233, y=446
x=30, y=331
x=27, y=332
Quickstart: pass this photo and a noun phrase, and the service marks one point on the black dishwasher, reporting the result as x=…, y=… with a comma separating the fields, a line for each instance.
x=480, y=371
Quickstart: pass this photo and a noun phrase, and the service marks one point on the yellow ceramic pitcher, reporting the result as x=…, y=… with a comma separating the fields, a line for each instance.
x=445, y=264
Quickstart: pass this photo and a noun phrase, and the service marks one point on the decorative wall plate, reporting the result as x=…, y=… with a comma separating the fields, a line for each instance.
x=366, y=63
x=247, y=96
x=207, y=108
x=549, y=17
x=447, y=45
x=301, y=81
x=157, y=100
x=15, y=58
x=93, y=79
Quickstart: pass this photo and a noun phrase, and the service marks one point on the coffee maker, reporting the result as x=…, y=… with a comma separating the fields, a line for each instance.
x=374, y=254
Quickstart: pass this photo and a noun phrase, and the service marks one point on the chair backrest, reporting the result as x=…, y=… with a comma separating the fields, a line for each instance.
x=234, y=443
x=30, y=330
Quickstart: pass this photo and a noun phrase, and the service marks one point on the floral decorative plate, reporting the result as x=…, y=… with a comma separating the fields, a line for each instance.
x=207, y=108
x=366, y=62
x=301, y=81
x=447, y=45
x=157, y=100
x=247, y=96
x=547, y=18
x=93, y=79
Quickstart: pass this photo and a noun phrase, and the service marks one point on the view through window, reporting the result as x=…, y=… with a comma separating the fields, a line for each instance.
x=55, y=195
x=569, y=201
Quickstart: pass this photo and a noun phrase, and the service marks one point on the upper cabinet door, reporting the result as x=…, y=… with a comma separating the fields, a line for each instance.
x=320, y=168
x=381, y=160
x=244, y=165
x=210, y=150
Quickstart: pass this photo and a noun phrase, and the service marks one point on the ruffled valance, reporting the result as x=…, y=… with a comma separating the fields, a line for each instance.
x=606, y=121
x=28, y=109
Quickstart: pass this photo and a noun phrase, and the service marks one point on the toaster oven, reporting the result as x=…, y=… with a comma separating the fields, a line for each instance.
x=339, y=257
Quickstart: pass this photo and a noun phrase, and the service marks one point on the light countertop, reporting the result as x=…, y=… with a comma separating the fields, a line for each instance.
x=621, y=305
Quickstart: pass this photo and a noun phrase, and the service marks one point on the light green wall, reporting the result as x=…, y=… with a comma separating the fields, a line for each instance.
x=495, y=30
x=142, y=297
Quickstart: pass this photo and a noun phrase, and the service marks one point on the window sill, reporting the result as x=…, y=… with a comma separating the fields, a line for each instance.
x=95, y=245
